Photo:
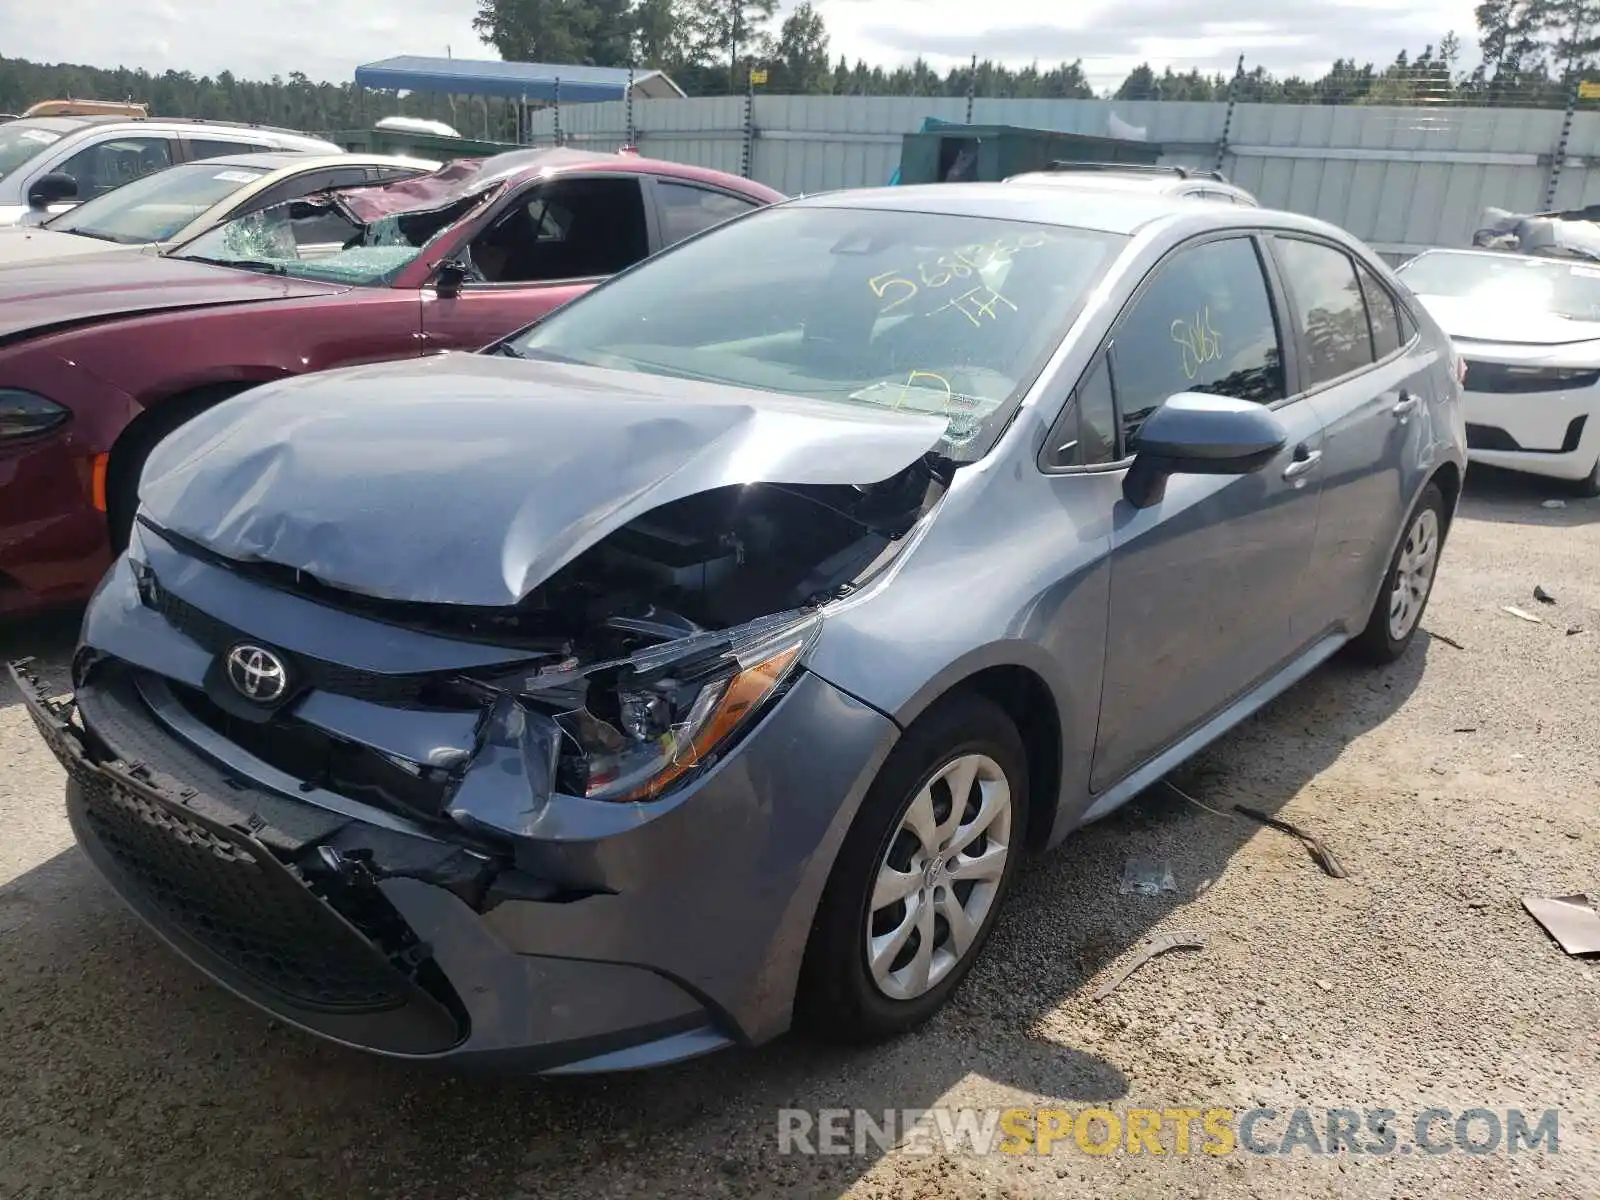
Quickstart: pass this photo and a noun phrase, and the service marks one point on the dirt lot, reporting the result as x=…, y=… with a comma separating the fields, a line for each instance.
x=1449, y=785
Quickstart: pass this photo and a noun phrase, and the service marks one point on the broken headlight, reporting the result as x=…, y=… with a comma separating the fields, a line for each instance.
x=633, y=727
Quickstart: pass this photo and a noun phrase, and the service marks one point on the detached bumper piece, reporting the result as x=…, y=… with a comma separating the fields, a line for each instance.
x=201, y=872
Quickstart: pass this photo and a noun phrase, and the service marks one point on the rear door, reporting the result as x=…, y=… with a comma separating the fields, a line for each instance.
x=1369, y=377
x=683, y=209
x=549, y=242
x=1205, y=583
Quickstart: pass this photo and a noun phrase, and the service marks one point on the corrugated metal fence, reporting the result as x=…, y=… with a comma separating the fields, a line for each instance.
x=1402, y=179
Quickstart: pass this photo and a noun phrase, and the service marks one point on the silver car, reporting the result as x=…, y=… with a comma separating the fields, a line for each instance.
x=705, y=657
x=48, y=164
x=168, y=208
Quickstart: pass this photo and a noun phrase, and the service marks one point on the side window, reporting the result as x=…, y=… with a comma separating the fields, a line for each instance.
x=567, y=229
x=1204, y=324
x=212, y=148
x=107, y=165
x=1086, y=432
x=686, y=210
x=1331, y=313
x=1382, y=313
x=391, y=174
x=297, y=186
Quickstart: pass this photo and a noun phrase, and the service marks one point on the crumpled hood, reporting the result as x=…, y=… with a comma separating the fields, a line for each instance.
x=1474, y=319
x=41, y=295
x=470, y=479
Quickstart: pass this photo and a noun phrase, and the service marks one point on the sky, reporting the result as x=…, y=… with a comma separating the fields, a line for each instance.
x=327, y=40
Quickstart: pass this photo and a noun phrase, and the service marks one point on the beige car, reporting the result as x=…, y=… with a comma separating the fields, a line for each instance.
x=173, y=206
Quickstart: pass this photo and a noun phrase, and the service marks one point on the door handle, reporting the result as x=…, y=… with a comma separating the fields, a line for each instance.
x=1404, y=405
x=1302, y=464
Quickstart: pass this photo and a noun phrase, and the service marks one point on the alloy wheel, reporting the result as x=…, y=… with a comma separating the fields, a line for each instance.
x=939, y=877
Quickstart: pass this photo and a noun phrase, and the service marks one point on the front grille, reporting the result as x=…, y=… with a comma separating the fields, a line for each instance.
x=319, y=759
x=1513, y=379
x=217, y=636
x=231, y=897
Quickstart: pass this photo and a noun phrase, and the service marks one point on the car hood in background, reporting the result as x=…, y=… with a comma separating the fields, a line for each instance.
x=1478, y=320
x=470, y=479
x=41, y=296
x=24, y=244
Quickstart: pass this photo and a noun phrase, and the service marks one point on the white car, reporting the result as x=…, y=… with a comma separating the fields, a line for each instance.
x=48, y=164
x=1189, y=182
x=1528, y=328
x=182, y=202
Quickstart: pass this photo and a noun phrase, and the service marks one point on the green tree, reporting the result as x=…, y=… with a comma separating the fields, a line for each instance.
x=800, y=56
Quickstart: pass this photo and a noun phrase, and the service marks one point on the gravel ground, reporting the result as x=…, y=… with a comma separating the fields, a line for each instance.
x=1449, y=786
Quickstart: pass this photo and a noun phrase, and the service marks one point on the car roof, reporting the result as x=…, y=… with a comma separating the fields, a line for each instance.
x=1115, y=181
x=65, y=124
x=277, y=160
x=1098, y=209
x=1081, y=208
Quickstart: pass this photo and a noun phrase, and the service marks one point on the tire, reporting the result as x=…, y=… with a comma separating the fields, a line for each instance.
x=1589, y=488
x=839, y=998
x=1384, y=640
x=128, y=457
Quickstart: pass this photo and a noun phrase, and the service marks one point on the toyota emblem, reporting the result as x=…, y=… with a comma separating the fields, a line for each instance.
x=257, y=674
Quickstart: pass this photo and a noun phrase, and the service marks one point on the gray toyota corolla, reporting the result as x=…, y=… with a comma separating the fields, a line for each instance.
x=704, y=658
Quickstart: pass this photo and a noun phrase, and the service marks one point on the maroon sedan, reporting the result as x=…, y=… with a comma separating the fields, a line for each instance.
x=101, y=358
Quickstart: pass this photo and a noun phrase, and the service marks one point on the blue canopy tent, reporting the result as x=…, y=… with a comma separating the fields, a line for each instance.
x=531, y=85
x=541, y=82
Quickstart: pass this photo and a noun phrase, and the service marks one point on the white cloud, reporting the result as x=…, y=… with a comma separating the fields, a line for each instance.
x=327, y=40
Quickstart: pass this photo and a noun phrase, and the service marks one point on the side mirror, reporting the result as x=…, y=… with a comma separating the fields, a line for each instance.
x=452, y=274
x=1194, y=433
x=53, y=188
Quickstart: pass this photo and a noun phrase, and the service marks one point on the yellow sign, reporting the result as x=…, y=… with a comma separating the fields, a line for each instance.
x=759, y=75
x=1589, y=91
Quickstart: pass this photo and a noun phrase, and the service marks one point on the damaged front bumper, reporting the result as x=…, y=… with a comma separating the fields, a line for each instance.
x=622, y=936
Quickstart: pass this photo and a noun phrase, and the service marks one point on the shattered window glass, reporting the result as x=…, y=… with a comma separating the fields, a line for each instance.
x=316, y=239
x=922, y=312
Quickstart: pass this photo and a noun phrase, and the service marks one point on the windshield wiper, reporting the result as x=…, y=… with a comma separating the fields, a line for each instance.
x=244, y=264
x=89, y=233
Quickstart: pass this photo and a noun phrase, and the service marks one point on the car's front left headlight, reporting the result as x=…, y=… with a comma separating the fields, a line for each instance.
x=28, y=414
x=634, y=727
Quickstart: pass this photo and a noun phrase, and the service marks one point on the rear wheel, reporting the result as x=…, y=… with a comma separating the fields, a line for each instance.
x=921, y=876
x=1397, y=614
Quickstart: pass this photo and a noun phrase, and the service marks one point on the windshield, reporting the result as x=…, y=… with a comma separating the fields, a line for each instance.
x=1562, y=289
x=20, y=141
x=313, y=239
x=157, y=206
x=952, y=315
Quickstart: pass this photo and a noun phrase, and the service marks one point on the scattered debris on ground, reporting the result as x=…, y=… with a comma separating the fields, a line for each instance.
x=1146, y=877
x=1446, y=639
x=1542, y=596
x=1157, y=945
x=1554, y=504
x=1571, y=920
x=1523, y=613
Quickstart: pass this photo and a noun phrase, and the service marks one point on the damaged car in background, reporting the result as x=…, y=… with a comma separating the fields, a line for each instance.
x=703, y=659
x=104, y=355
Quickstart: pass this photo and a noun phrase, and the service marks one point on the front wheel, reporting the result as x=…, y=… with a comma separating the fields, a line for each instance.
x=921, y=875
x=1397, y=614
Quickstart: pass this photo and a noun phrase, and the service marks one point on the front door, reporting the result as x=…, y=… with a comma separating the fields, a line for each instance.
x=1206, y=582
x=545, y=246
x=1371, y=382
